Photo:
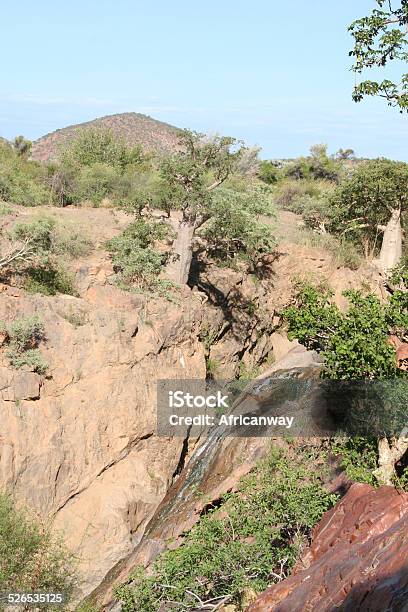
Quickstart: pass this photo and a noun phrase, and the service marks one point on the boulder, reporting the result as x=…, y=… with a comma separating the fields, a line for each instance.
x=357, y=559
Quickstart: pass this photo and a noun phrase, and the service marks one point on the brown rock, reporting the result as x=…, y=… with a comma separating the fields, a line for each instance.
x=80, y=444
x=357, y=560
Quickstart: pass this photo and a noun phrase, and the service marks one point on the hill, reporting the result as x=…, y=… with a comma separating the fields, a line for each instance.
x=135, y=128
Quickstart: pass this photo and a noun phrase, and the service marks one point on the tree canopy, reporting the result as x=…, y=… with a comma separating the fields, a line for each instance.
x=363, y=204
x=380, y=38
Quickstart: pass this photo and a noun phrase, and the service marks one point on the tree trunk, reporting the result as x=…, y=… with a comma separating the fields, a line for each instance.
x=178, y=267
x=391, y=248
x=388, y=455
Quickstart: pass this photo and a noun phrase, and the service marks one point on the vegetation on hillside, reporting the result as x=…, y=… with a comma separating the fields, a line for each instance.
x=21, y=181
x=214, y=195
x=356, y=346
x=252, y=538
x=21, y=339
x=34, y=252
x=134, y=128
x=32, y=558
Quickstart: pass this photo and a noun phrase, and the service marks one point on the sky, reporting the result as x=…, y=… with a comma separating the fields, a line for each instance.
x=275, y=74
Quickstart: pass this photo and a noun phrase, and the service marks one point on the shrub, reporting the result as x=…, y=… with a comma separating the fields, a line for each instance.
x=26, y=333
x=17, y=187
x=137, y=190
x=23, y=336
x=38, y=233
x=99, y=146
x=44, y=242
x=22, y=146
x=31, y=557
x=49, y=281
x=358, y=457
x=268, y=172
x=354, y=344
x=31, y=358
x=317, y=165
x=21, y=181
x=253, y=538
x=234, y=229
x=297, y=196
x=94, y=183
x=96, y=165
x=133, y=254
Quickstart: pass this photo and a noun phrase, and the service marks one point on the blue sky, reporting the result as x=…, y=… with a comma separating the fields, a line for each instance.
x=273, y=73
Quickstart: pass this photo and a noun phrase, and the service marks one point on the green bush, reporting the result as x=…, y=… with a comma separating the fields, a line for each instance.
x=17, y=187
x=94, y=183
x=234, y=229
x=38, y=232
x=354, y=343
x=251, y=540
x=31, y=358
x=50, y=241
x=31, y=557
x=297, y=195
x=98, y=164
x=99, y=146
x=23, y=337
x=268, y=172
x=358, y=457
x=49, y=281
x=134, y=257
x=21, y=181
x=318, y=165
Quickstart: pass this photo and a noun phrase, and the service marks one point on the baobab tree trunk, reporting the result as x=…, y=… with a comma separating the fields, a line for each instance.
x=178, y=267
x=388, y=456
x=391, y=248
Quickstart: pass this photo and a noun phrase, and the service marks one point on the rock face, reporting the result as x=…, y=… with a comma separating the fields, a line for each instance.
x=357, y=560
x=241, y=317
x=214, y=468
x=78, y=444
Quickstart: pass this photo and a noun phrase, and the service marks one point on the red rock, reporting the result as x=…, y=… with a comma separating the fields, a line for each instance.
x=357, y=560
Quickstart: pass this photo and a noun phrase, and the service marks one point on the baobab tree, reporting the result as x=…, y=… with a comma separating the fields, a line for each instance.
x=191, y=176
x=369, y=208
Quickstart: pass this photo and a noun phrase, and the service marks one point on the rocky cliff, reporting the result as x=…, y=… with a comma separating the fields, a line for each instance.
x=78, y=443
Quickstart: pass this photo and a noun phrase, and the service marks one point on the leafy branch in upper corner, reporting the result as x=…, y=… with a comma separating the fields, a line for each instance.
x=381, y=38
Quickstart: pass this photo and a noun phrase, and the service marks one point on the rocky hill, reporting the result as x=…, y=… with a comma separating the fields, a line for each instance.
x=135, y=128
